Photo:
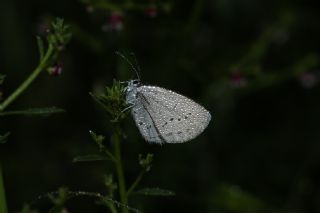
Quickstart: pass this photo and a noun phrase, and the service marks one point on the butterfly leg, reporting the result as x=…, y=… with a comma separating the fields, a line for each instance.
x=127, y=108
x=123, y=111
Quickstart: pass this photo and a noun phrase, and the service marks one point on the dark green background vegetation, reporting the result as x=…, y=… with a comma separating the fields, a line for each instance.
x=253, y=64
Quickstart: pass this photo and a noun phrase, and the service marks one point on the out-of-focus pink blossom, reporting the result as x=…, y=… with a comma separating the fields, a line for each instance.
x=151, y=11
x=114, y=23
x=308, y=80
x=238, y=80
x=43, y=29
x=55, y=70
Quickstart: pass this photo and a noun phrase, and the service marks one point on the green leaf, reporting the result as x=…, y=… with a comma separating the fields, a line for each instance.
x=110, y=184
x=60, y=34
x=40, y=47
x=234, y=199
x=4, y=138
x=155, y=192
x=146, y=162
x=34, y=111
x=86, y=158
x=97, y=138
x=113, y=101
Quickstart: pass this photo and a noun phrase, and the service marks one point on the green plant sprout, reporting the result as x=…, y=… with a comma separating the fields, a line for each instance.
x=58, y=36
x=56, y=39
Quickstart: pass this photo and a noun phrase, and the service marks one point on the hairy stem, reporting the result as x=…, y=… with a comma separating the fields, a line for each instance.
x=120, y=174
x=29, y=80
x=135, y=183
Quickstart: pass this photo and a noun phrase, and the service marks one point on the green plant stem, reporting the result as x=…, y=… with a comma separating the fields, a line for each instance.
x=111, y=206
x=110, y=155
x=3, y=204
x=135, y=183
x=120, y=174
x=29, y=80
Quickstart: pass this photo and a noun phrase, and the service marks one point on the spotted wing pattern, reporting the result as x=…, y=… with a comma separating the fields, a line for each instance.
x=145, y=123
x=164, y=116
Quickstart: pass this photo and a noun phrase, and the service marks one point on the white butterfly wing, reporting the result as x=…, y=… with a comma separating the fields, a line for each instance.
x=145, y=124
x=174, y=117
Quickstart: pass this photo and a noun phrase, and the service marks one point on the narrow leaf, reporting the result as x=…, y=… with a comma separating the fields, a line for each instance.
x=4, y=138
x=34, y=111
x=155, y=192
x=86, y=158
x=40, y=47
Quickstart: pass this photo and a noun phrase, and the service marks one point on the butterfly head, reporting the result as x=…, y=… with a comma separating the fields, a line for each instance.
x=133, y=84
x=131, y=90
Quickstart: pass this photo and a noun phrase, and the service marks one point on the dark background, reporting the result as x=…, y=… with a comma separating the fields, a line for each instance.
x=253, y=64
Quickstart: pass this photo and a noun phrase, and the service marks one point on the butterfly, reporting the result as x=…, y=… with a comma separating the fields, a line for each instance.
x=163, y=116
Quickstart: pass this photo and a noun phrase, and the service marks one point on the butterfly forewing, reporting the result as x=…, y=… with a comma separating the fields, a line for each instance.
x=175, y=117
x=145, y=124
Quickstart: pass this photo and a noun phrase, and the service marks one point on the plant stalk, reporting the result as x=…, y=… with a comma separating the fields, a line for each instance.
x=120, y=173
x=135, y=183
x=29, y=80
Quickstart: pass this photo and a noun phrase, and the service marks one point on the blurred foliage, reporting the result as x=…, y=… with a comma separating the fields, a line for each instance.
x=26, y=209
x=4, y=138
x=253, y=64
x=2, y=77
x=233, y=199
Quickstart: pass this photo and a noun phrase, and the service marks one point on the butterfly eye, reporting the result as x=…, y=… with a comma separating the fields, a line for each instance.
x=136, y=82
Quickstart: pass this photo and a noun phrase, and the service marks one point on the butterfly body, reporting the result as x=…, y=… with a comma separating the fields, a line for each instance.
x=164, y=116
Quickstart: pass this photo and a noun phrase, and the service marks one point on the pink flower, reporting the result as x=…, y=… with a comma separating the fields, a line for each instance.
x=308, y=80
x=114, y=23
x=237, y=79
x=56, y=70
x=151, y=11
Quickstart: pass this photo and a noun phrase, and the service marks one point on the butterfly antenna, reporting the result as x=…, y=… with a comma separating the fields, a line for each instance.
x=127, y=60
x=137, y=65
